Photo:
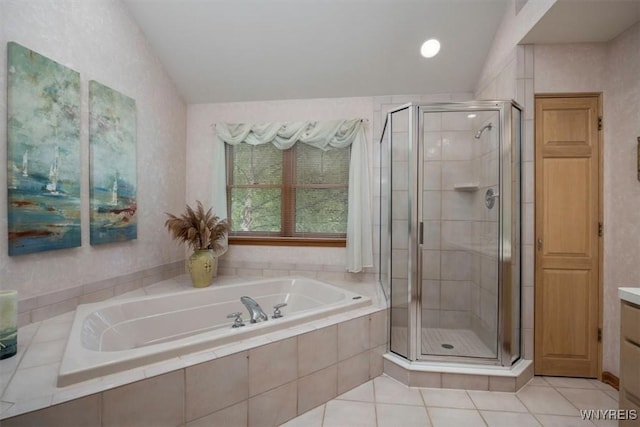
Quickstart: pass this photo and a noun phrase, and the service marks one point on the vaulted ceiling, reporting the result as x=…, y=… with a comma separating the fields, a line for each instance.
x=241, y=50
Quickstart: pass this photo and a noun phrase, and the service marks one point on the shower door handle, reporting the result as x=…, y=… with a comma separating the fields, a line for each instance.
x=421, y=233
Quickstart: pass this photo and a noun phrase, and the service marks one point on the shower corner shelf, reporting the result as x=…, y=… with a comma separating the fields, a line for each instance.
x=467, y=186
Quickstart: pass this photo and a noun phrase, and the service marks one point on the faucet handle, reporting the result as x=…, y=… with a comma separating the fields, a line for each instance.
x=276, y=310
x=238, y=319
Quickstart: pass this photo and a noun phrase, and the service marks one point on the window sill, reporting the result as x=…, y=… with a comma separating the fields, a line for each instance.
x=288, y=241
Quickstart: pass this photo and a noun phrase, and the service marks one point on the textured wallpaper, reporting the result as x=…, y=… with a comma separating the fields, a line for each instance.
x=101, y=41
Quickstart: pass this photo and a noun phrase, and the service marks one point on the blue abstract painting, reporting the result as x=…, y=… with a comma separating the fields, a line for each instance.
x=112, y=139
x=43, y=153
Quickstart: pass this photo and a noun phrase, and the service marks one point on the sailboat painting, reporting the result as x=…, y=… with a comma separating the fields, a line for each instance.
x=112, y=140
x=43, y=153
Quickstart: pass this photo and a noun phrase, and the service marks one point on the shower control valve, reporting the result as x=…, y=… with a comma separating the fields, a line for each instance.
x=238, y=319
x=276, y=310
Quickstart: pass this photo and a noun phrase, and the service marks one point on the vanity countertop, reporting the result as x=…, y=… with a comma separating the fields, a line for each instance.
x=631, y=295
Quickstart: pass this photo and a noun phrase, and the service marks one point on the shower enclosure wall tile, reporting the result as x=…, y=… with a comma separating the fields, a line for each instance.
x=431, y=208
x=400, y=200
x=456, y=206
x=456, y=265
x=432, y=146
x=430, y=294
x=400, y=147
x=455, y=296
x=456, y=121
x=456, y=235
x=400, y=176
x=450, y=319
x=456, y=172
x=456, y=145
x=432, y=175
x=431, y=235
x=400, y=234
x=431, y=318
x=433, y=122
x=489, y=310
x=431, y=265
x=399, y=264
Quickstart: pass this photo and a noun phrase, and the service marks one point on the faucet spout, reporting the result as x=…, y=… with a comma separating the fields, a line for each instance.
x=256, y=313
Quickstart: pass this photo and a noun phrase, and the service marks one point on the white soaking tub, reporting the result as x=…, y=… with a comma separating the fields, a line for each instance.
x=116, y=335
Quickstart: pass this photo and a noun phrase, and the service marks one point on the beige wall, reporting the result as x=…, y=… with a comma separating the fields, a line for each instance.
x=610, y=68
x=99, y=40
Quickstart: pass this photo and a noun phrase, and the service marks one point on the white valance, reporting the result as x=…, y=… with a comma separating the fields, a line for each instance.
x=323, y=135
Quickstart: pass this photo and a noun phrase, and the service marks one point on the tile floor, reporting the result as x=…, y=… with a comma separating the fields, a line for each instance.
x=544, y=401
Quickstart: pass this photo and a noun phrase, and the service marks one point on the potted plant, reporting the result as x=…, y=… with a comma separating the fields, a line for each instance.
x=206, y=234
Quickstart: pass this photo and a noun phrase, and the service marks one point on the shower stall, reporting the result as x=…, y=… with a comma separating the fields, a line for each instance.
x=450, y=231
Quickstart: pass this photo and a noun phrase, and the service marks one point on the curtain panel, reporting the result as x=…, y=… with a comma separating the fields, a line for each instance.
x=323, y=135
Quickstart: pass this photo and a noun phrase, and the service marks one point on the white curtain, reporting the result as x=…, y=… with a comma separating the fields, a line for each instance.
x=323, y=135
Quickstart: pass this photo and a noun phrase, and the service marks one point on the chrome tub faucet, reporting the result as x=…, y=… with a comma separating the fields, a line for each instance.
x=256, y=314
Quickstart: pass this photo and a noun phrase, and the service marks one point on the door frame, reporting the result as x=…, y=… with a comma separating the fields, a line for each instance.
x=600, y=283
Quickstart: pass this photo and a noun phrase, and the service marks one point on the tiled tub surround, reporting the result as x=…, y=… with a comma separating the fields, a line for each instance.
x=42, y=307
x=114, y=336
x=264, y=380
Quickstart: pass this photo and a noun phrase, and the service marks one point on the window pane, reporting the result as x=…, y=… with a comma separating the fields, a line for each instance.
x=322, y=210
x=255, y=209
x=260, y=164
x=314, y=166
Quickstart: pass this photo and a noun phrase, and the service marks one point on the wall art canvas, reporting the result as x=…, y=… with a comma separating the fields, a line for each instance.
x=43, y=153
x=112, y=139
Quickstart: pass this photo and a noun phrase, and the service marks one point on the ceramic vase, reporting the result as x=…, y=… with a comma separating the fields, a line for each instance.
x=8, y=323
x=203, y=266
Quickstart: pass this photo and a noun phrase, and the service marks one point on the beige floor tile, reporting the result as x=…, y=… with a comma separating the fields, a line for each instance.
x=496, y=401
x=545, y=400
x=447, y=398
x=606, y=423
x=362, y=393
x=599, y=384
x=401, y=415
x=588, y=398
x=312, y=418
x=537, y=380
x=388, y=390
x=562, y=421
x=509, y=419
x=614, y=394
x=569, y=382
x=342, y=413
x=448, y=417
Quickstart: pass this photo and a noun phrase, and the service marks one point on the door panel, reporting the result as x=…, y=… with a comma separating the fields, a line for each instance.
x=567, y=261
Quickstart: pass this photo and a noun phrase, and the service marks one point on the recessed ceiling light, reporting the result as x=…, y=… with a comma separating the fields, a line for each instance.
x=430, y=48
x=471, y=116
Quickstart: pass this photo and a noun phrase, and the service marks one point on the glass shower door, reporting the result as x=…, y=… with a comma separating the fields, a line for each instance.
x=459, y=213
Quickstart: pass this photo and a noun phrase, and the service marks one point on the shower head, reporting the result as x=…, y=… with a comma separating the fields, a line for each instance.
x=482, y=129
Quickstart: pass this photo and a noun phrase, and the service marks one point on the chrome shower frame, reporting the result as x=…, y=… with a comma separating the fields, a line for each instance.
x=509, y=128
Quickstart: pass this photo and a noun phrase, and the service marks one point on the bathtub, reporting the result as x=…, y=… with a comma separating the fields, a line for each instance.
x=117, y=335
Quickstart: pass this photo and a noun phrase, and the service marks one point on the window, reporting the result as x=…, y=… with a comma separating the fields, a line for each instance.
x=294, y=196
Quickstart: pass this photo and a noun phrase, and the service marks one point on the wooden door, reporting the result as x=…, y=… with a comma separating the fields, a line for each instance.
x=567, y=220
